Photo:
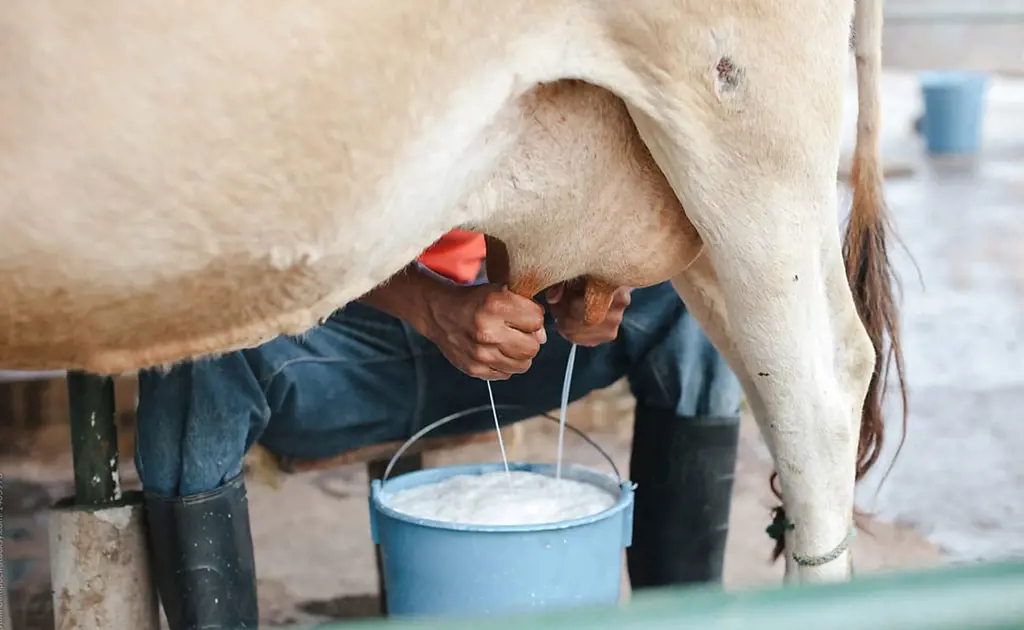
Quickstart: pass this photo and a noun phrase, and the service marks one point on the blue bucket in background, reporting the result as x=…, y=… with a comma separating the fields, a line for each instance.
x=442, y=569
x=954, y=109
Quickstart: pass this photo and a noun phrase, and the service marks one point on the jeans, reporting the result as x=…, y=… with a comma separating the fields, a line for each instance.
x=365, y=377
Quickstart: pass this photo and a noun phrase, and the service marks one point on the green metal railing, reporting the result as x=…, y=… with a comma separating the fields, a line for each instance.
x=971, y=597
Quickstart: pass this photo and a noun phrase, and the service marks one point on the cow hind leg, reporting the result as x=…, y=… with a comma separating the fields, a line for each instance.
x=777, y=305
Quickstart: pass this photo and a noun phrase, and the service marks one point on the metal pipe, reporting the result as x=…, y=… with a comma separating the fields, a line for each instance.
x=93, y=439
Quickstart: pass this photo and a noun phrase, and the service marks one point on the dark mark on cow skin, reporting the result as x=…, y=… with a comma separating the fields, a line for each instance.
x=729, y=75
x=763, y=374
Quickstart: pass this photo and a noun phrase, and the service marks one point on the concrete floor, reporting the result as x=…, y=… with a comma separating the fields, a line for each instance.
x=960, y=478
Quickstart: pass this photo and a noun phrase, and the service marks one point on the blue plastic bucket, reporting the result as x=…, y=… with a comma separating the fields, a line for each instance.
x=443, y=569
x=954, y=107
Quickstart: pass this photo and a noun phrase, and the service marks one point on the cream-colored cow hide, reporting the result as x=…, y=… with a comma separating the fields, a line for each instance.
x=184, y=178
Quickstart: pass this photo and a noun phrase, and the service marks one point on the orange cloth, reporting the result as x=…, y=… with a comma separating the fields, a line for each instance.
x=458, y=255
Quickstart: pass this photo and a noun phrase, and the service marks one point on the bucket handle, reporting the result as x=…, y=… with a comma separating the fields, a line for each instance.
x=465, y=412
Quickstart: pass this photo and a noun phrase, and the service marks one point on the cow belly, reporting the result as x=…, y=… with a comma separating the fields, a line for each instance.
x=185, y=291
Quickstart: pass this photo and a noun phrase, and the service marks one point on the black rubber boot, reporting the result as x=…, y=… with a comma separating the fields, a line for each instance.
x=683, y=468
x=202, y=556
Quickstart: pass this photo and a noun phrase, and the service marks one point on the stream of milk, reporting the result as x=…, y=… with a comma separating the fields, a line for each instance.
x=497, y=429
x=566, y=382
x=561, y=412
x=508, y=498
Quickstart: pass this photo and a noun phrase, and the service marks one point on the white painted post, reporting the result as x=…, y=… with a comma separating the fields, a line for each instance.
x=99, y=565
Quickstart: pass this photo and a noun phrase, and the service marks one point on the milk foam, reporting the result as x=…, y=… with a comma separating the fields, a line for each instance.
x=500, y=498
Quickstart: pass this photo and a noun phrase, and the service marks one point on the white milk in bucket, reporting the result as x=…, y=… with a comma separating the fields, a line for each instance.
x=500, y=498
x=509, y=497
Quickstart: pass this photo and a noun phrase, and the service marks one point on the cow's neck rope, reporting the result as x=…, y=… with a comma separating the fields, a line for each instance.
x=780, y=525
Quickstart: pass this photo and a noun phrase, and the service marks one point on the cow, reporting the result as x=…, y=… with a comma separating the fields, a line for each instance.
x=179, y=179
